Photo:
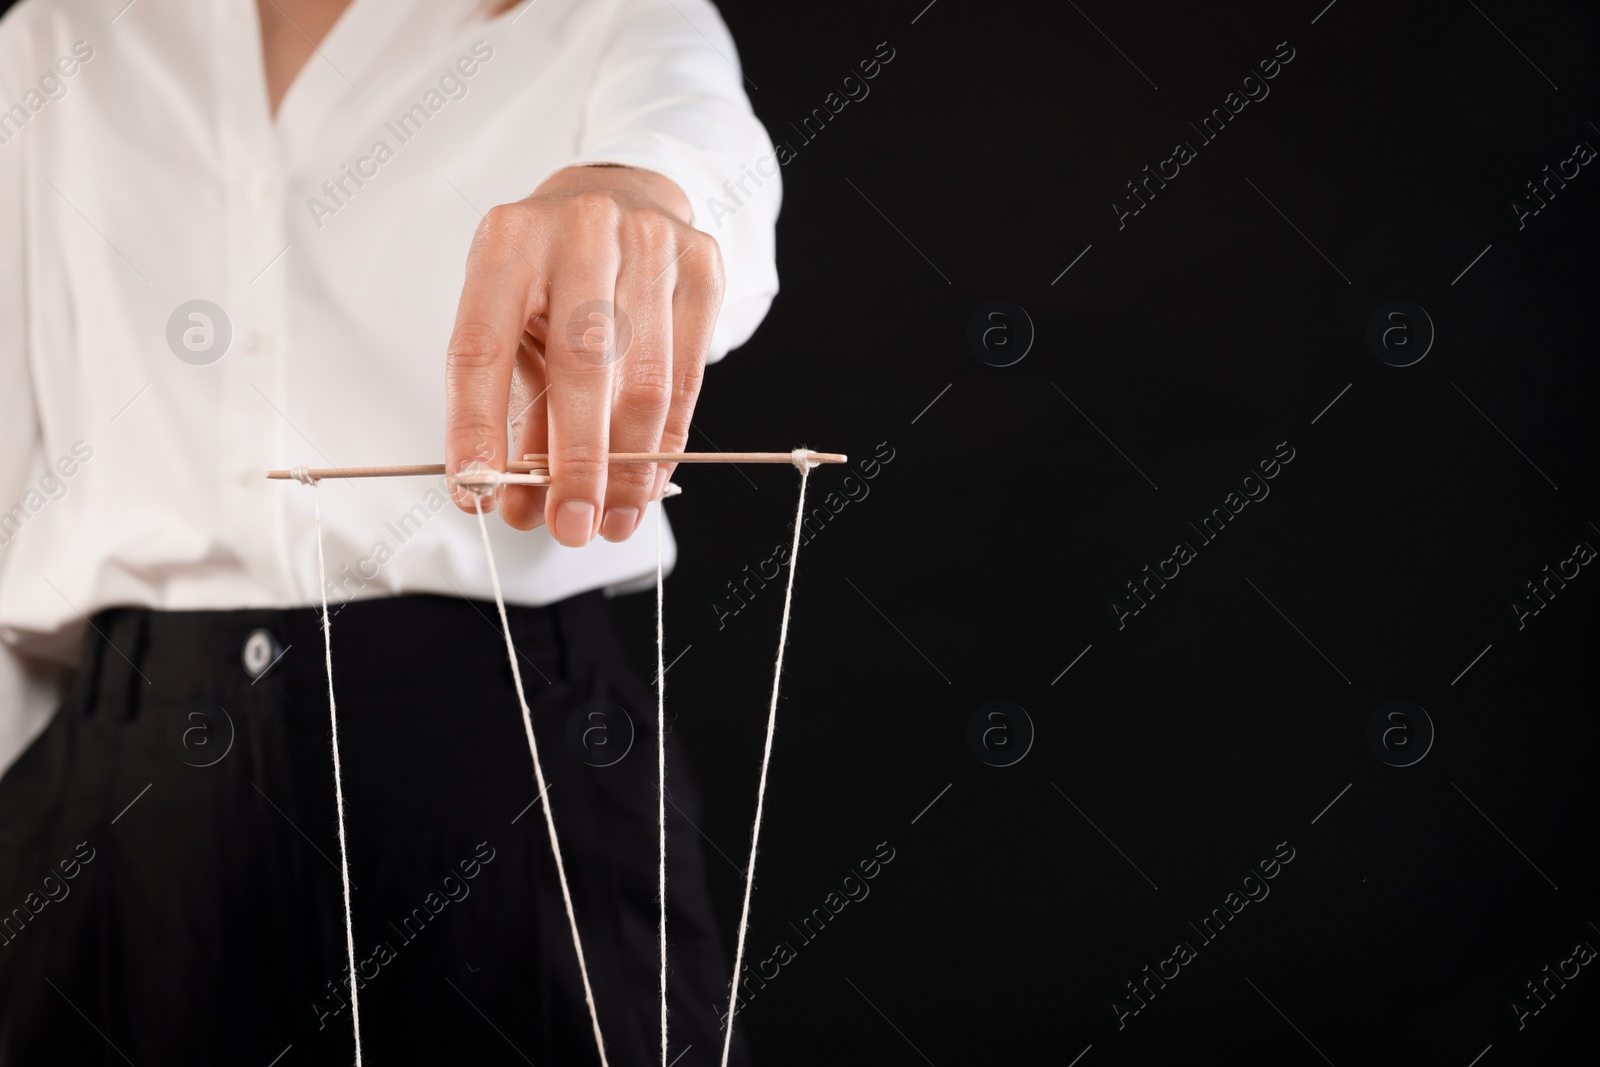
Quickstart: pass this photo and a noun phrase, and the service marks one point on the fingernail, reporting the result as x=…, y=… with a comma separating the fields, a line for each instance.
x=661, y=483
x=619, y=524
x=574, y=523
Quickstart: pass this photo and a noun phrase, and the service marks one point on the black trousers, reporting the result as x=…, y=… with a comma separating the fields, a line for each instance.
x=169, y=847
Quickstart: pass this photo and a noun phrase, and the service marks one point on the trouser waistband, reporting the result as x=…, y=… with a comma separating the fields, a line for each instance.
x=132, y=655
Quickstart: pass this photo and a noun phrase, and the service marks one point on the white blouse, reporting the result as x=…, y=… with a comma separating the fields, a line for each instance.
x=192, y=292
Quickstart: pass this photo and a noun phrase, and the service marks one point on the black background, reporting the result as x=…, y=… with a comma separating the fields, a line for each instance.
x=1226, y=715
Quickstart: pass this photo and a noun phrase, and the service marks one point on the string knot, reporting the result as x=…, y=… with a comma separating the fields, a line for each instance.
x=478, y=478
x=301, y=474
x=801, y=458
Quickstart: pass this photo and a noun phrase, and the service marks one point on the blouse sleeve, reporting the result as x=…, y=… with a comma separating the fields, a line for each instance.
x=668, y=96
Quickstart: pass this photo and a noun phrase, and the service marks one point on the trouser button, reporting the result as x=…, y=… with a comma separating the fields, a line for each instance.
x=260, y=652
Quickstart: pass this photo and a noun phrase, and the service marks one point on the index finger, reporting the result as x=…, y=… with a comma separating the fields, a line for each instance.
x=498, y=298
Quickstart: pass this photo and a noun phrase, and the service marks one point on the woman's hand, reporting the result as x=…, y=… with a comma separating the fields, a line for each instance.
x=585, y=321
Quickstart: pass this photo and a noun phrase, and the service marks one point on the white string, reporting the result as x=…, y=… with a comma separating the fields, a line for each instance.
x=300, y=475
x=802, y=461
x=538, y=773
x=661, y=767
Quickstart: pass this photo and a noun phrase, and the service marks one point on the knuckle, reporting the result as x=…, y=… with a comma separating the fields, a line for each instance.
x=647, y=390
x=630, y=482
x=473, y=346
x=707, y=256
x=706, y=245
x=651, y=231
x=585, y=461
x=479, y=431
x=690, y=375
x=649, y=375
x=505, y=224
x=593, y=208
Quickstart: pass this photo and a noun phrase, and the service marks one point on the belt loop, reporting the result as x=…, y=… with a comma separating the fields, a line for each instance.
x=118, y=672
x=139, y=644
x=91, y=660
